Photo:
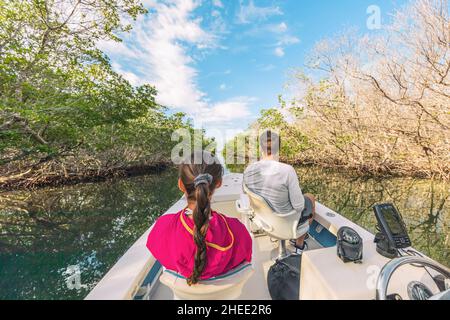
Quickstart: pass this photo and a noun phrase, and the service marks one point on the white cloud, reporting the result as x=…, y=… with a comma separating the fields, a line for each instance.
x=160, y=50
x=279, y=34
x=263, y=30
x=223, y=87
x=168, y=64
x=250, y=12
x=159, y=45
x=279, y=28
x=128, y=75
x=218, y=25
x=218, y=3
x=117, y=48
x=266, y=68
x=149, y=3
x=279, y=52
x=287, y=40
x=229, y=110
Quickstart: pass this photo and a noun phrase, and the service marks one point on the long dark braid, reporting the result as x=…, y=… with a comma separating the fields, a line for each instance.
x=200, y=181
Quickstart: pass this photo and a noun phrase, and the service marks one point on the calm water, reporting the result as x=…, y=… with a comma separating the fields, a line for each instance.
x=424, y=204
x=45, y=232
x=42, y=233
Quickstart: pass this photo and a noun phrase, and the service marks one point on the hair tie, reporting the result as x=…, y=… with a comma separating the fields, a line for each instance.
x=204, y=178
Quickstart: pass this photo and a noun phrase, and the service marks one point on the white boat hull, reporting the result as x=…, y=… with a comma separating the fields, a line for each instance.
x=323, y=274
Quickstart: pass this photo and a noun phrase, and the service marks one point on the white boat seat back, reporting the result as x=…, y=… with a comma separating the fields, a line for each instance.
x=244, y=208
x=276, y=225
x=224, y=287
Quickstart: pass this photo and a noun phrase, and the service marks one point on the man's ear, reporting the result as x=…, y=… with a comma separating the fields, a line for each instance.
x=218, y=184
x=181, y=186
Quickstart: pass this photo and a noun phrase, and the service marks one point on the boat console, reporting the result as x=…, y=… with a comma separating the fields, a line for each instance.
x=416, y=290
x=392, y=233
x=391, y=241
x=324, y=276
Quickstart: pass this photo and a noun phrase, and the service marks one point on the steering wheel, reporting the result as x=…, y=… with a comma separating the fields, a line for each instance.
x=388, y=270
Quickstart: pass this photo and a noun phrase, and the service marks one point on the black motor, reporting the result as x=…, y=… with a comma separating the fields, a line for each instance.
x=349, y=245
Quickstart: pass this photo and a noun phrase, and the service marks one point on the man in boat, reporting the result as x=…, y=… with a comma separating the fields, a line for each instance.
x=278, y=184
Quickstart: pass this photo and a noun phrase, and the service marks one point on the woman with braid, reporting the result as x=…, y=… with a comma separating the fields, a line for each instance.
x=198, y=242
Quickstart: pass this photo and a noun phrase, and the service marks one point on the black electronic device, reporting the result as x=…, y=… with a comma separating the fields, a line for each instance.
x=349, y=245
x=392, y=233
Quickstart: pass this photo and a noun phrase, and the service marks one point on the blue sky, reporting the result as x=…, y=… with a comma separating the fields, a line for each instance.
x=222, y=61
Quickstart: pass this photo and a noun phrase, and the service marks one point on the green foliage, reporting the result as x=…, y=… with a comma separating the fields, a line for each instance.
x=293, y=141
x=271, y=118
x=58, y=92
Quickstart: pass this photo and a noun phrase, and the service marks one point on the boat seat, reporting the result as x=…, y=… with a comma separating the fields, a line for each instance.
x=279, y=226
x=224, y=287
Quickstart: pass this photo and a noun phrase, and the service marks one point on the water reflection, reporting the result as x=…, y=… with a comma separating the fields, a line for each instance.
x=45, y=232
x=42, y=233
x=423, y=204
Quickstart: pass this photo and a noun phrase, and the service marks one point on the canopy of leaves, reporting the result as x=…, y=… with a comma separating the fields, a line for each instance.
x=58, y=92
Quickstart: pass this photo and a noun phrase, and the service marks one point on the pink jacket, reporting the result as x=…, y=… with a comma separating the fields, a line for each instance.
x=228, y=244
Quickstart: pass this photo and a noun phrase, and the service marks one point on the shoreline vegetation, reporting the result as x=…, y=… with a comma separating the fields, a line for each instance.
x=377, y=104
x=65, y=115
x=362, y=103
x=88, y=176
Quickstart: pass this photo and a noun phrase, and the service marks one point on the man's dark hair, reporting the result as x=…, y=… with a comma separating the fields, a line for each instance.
x=270, y=142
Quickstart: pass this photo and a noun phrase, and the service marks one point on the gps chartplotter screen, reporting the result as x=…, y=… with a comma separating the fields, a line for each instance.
x=393, y=221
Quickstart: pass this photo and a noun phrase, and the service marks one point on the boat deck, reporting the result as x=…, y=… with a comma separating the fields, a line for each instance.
x=323, y=274
x=265, y=250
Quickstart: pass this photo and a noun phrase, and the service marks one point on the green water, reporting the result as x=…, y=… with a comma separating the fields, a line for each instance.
x=42, y=233
x=424, y=204
x=45, y=232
